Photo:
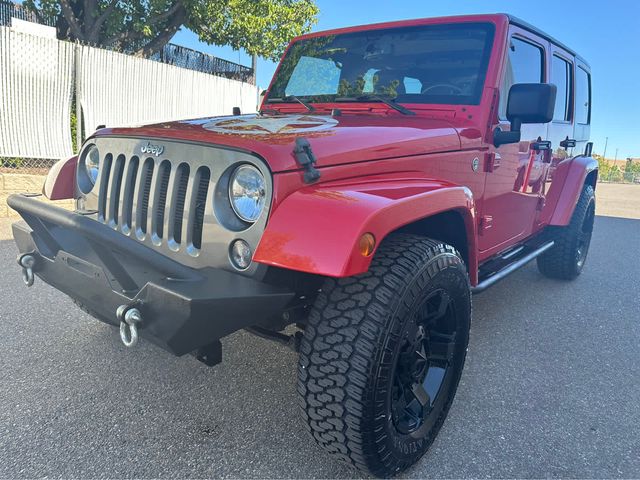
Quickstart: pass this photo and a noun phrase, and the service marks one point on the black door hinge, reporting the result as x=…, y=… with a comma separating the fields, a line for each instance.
x=568, y=143
x=541, y=145
x=306, y=159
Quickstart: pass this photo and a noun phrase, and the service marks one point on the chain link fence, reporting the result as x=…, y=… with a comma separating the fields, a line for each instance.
x=619, y=176
x=201, y=62
x=9, y=10
x=618, y=171
x=29, y=166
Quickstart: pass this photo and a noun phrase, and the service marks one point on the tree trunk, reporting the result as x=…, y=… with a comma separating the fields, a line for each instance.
x=254, y=68
x=72, y=11
x=157, y=43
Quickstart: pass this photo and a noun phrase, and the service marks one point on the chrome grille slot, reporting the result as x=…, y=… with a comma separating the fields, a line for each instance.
x=105, y=173
x=179, y=198
x=128, y=194
x=113, y=191
x=160, y=200
x=143, y=198
x=199, y=203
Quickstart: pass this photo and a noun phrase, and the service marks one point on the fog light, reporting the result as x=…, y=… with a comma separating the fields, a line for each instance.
x=240, y=254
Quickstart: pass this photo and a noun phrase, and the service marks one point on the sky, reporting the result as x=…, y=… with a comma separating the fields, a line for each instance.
x=606, y=34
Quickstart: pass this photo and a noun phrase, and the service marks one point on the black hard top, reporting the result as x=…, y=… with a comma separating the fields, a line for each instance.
x=527, y=26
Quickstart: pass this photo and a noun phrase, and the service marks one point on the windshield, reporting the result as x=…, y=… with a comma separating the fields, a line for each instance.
x=441, y=64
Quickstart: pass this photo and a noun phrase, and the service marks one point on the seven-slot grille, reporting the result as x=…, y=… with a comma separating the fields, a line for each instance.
x=154, y=197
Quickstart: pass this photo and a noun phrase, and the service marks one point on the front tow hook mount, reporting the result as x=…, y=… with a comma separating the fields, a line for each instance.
x=27, y=262
x=130, y=318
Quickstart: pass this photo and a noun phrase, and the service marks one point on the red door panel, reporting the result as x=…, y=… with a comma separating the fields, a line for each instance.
x=513, y=190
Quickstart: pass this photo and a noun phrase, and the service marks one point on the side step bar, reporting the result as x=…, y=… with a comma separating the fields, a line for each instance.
x=510, y=268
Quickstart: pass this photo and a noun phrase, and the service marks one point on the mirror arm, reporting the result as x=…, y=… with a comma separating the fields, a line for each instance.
x=513, y=136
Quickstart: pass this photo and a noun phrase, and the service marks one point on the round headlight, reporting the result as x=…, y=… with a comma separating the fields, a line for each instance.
x=92, y=164
x=247, y=192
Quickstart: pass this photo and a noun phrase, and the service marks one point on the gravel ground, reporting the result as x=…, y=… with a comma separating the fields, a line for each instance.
x=550, y=388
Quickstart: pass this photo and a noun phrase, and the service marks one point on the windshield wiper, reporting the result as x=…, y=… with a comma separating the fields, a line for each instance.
x=288, y=98
x=391, y=102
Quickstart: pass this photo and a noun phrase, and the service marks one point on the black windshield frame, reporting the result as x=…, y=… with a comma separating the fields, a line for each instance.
x=310, y=47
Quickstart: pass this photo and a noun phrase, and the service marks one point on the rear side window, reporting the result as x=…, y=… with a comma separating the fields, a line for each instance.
x=524, y=65
x=583, y=96
x=561, y=78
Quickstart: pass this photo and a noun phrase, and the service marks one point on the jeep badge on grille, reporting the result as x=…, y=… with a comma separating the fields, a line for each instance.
x=152, y=149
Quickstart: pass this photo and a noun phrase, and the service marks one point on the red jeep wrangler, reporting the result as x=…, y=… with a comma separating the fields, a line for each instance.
x=392, y=171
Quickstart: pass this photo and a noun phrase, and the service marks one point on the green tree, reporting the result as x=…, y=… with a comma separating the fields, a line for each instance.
x=632, y=166
x=604, y=167
x=261, y=27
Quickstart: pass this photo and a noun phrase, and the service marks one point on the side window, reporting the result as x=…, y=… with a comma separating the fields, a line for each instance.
x=314, y=76
x=524, y=65
x=583, y=96
x=561, y=78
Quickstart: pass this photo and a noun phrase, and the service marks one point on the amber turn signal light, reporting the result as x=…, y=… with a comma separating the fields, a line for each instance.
x=367, y=244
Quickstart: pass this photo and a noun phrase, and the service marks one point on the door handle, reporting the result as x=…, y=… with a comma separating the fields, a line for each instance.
x=568, y=143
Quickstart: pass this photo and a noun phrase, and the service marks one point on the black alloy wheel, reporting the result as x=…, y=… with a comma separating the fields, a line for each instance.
x=424, y=363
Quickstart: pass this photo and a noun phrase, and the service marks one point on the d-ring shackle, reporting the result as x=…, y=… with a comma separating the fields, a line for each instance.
x=27, y=262
x=130, y=318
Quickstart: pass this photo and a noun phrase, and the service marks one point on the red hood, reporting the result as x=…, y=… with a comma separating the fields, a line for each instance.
x=334, y=140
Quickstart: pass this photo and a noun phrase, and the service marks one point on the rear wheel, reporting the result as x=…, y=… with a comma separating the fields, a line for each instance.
x=566, y=258
x=383, y=352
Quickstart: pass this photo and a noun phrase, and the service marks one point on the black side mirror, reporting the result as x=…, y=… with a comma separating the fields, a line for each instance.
x=528, y=103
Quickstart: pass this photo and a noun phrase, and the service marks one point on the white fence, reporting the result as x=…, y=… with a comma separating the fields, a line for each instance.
x=37, y=76
x=36, y=80
x=118, y=89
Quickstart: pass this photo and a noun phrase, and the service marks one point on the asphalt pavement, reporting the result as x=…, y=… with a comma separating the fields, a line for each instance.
x=551, y=388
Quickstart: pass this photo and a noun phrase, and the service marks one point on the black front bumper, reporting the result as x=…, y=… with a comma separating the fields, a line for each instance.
x=183, y=309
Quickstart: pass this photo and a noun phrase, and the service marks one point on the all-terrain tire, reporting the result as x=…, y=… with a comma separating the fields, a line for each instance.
x=354, y=356
x=567, y=257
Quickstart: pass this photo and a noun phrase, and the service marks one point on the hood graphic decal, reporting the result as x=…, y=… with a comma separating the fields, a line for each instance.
x=252, y=125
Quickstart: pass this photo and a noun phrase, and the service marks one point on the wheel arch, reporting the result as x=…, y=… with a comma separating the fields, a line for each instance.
x=317, y=228
x=592, y=178
x=448, y=227
x=562, y=200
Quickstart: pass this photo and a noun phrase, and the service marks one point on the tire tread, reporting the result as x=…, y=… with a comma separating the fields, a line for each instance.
x=342, y=343
x=559, y=261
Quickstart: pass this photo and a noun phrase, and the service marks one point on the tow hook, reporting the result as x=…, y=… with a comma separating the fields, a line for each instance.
x=27, y=262
x=130, y=318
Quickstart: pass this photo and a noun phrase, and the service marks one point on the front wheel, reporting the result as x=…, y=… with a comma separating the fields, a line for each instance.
x=383, y=352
